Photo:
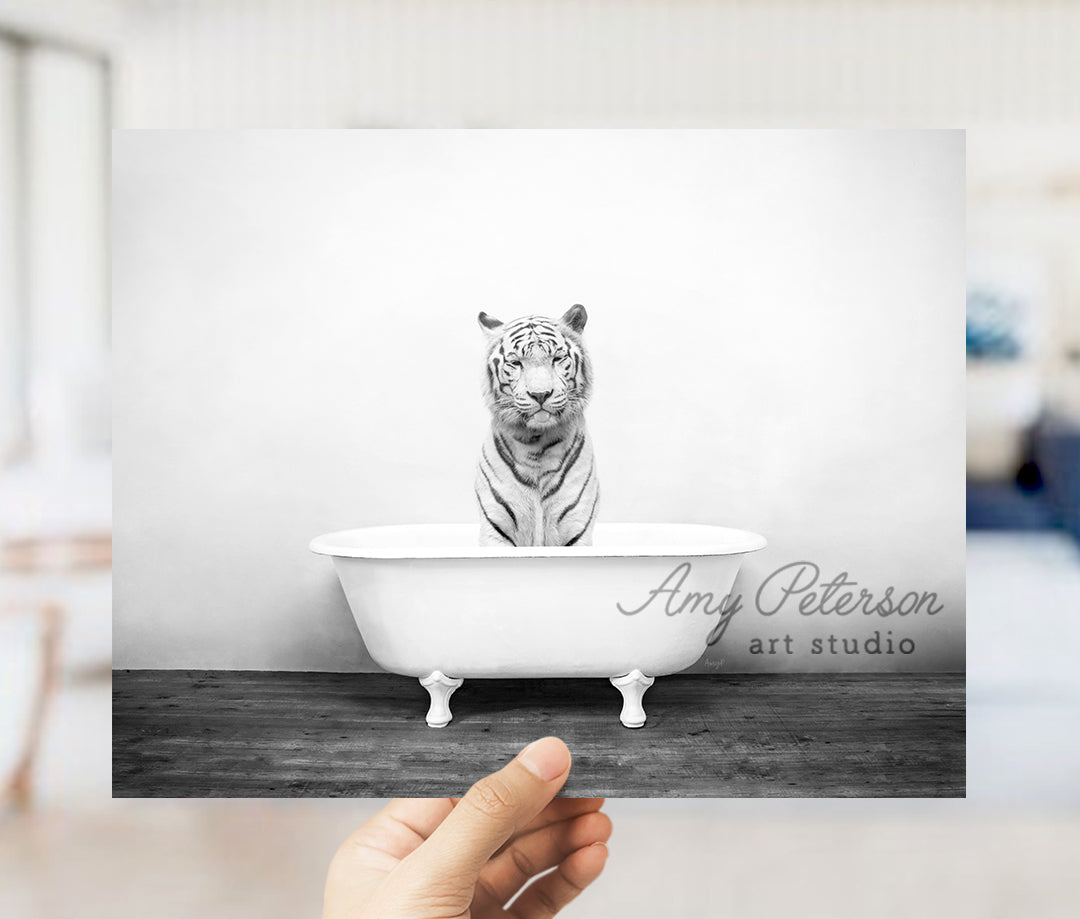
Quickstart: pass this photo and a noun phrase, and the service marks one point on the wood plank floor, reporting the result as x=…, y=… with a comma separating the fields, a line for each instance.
x=183, y=733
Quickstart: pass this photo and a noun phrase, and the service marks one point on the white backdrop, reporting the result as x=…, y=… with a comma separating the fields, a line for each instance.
x=776, y=323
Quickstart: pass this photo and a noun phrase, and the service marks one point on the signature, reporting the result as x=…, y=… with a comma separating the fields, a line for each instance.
x=672, y=585
x=798, y=582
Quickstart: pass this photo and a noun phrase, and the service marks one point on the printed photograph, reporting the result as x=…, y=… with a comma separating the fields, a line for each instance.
x=429, y=443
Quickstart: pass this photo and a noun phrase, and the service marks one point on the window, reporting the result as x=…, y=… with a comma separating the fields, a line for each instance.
x=54, y=326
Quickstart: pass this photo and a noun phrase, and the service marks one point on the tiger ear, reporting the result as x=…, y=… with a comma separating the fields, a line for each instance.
x=575, y=318
x=490, y=323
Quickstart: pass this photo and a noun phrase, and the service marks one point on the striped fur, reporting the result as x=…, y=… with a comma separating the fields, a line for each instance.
x=536, y=484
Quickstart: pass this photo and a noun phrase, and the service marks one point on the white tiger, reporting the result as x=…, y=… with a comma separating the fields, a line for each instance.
x=536, y=482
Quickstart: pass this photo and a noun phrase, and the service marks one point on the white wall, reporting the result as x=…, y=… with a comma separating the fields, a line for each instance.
x=776, y=324
x=631, y=63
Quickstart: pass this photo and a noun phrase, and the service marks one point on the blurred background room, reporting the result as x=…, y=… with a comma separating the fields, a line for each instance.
x=55, y=426
x=1023, y=457
x=71, y=69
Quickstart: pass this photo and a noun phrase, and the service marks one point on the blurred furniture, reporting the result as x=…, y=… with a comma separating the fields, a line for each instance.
x=1045, y=495
x=32, y=563
x=1007, y=506
x=1057, y=452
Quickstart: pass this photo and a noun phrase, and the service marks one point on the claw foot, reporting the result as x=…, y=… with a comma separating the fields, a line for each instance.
x=440, y=687
x=632, y=686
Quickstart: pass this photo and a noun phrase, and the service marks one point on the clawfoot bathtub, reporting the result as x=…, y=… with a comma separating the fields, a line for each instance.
x=639, y=603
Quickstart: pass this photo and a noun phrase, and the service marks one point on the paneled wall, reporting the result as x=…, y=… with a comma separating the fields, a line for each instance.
x=233, y=63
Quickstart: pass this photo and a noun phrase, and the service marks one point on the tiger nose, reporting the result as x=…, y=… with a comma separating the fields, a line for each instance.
x=540, y=396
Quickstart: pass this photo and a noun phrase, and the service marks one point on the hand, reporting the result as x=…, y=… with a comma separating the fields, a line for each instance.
x=440, y=858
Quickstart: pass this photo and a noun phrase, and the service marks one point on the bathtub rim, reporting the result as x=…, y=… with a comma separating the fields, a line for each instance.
x=734, y=542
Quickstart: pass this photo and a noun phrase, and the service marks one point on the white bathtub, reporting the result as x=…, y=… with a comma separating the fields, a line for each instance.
x=431, y=603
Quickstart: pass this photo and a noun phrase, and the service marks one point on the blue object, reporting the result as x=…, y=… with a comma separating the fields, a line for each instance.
x=993, y=325
x=1046, y=492
x=1005, y=506
x=1057, y=451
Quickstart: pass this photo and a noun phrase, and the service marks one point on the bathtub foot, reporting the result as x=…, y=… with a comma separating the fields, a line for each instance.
x=440, y=687
x=632, y=686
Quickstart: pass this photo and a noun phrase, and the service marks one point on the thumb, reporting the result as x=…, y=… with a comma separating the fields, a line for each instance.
x=492, y=811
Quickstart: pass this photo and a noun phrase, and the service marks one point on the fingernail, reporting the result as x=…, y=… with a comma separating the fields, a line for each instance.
x=546, y=758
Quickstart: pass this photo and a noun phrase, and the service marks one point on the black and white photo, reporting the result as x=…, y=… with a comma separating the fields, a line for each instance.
x=652, y=440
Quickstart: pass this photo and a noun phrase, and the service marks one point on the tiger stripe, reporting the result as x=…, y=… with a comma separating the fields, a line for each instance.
x=507, y=457
x=495, y=494
x=579, y=443
x=577, y=500
x=588, y=523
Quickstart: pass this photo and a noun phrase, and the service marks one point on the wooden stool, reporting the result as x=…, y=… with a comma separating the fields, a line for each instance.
x=35, y=558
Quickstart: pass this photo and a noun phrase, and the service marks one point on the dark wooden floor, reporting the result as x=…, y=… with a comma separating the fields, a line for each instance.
x=225, y=733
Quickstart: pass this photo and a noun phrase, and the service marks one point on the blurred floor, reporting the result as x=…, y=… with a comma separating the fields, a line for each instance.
x=1023, y=633
x=267, y=860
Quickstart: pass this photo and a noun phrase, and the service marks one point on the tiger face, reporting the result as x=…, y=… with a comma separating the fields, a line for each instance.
x=538, y=373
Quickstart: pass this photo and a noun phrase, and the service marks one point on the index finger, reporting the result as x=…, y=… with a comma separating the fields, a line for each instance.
x=556, y=812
